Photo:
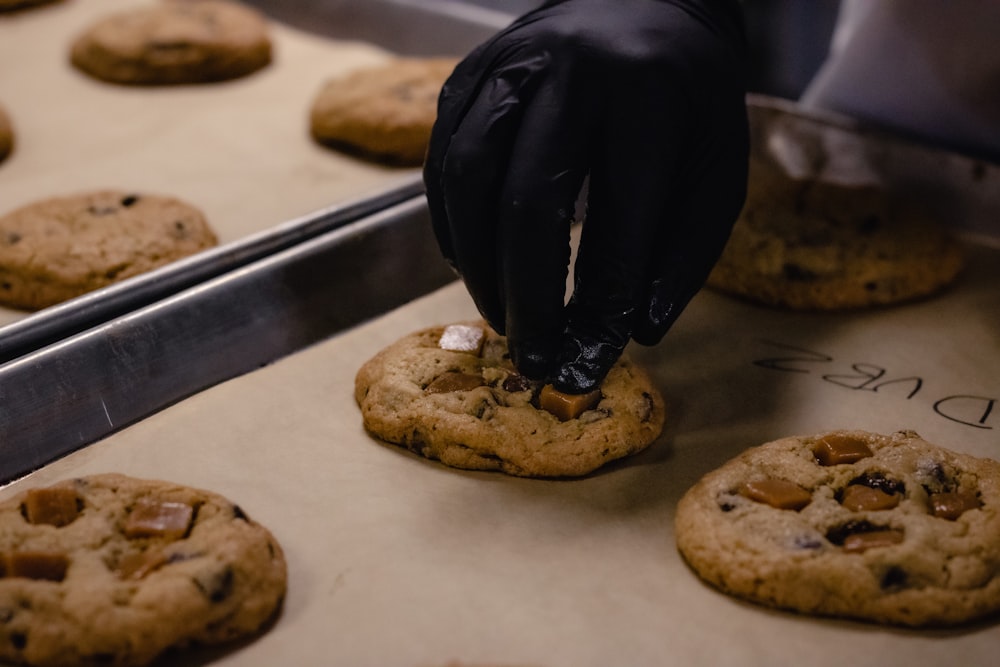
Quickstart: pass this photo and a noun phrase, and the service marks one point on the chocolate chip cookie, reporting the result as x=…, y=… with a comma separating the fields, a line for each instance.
x=175, y=42
x=6, y=135
x=814, y=245
x=883, y=528
x=56, y=249
x=450, y=393
x=384, y=112
x=114, y=570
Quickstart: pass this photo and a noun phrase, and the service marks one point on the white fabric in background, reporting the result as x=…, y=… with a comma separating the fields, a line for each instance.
x=928, y=68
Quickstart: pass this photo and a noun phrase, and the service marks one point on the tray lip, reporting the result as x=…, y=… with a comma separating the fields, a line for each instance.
x=479, y=15
x=972, y=182
x=859, y=127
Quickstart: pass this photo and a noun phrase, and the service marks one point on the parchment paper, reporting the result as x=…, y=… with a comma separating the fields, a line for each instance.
x=398, y=561
x=238, y=150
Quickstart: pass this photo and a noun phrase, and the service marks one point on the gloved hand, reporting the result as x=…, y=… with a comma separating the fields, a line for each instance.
x=647, y=98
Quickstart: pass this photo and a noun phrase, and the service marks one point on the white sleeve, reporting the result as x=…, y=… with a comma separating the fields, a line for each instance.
x=928, y=68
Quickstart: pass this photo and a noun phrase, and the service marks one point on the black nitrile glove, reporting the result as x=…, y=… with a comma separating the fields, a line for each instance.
x=644, y=96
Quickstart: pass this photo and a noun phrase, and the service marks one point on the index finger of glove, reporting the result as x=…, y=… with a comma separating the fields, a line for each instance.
x=474, y=79
x=457, y=94
x=633, y=185
x=467, y=168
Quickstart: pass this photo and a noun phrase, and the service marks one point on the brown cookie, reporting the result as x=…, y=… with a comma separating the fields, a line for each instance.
x=883, y=528
x=384, y=112
x=176, y=42
x=114, y=570
x=814, y=245
x=56, y=249
x=450, y=393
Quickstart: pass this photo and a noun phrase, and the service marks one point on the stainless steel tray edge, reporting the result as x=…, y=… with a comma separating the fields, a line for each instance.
x=74, y=392
x=963, y=191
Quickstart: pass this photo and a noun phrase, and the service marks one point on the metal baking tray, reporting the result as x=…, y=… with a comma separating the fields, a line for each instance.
x=70, y=394
x=962, y=191
x=78, y=390
x=405, y=27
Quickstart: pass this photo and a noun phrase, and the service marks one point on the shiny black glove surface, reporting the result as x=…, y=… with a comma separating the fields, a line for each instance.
x=646, y=97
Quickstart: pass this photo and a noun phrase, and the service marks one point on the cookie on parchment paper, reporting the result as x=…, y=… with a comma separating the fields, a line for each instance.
x=383, y=112
x=881, y=528
x=6, y=135
x=450, y=393
x=175, y=42
x=815, y=245
x=59, y=248
x=114, y=570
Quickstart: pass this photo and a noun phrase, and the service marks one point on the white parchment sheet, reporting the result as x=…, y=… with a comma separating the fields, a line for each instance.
x=395, y=560
x=238, y=150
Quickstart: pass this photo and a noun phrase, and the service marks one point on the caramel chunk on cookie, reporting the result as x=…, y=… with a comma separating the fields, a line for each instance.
x=464, y=404
x=39, y=565
x=860, y=498
x=778, y=493
x=906, y=534
x=56, y=506
x=952, y=505
x=859, y=542
x=158, y=518
x=838, y=449
x=567, y=406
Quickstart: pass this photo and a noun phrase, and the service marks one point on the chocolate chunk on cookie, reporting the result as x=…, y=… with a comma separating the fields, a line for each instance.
x=814, y=245
x=114, y=570
x=6, y=135
x=60, y=248
x=451, y=393
x=883, y=528
x=383, y=112
x=175, y=42
x=15, y=5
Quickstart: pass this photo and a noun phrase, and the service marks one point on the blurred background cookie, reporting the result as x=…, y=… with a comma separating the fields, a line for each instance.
x=384, y=112
x=815, y=245
x=56, y=249
x=176, y=42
